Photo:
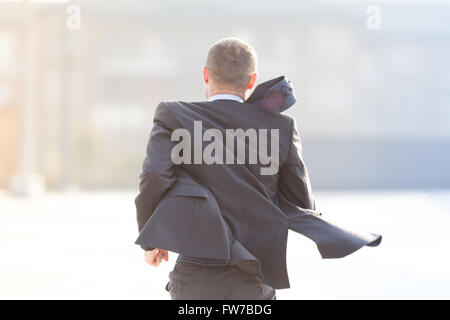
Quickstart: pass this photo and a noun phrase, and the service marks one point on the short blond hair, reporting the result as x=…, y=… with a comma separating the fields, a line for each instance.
x=231, y=63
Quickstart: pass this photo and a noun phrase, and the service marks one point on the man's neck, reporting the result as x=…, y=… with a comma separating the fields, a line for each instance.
x=219, y=91
x=225, y=96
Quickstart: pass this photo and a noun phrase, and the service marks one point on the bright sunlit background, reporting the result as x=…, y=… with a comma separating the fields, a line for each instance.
x=79, y=84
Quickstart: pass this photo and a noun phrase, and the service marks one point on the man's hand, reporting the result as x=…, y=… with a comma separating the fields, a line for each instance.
x=155, y=256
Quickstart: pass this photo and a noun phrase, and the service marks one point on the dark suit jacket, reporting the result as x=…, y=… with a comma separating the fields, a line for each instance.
x=231, y=211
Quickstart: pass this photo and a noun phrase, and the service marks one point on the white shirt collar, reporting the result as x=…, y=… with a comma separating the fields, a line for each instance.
x=225, y=96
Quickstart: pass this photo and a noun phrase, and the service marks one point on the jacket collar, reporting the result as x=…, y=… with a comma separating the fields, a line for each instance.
x=275, y=95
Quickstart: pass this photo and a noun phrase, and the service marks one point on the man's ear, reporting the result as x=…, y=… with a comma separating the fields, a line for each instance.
x=205, y=74
x=252, y=80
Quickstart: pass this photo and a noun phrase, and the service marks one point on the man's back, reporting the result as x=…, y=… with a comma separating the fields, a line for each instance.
x=235, y=182
x=245, y=189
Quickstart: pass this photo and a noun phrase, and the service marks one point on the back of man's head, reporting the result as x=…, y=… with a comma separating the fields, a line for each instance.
x=231, y=63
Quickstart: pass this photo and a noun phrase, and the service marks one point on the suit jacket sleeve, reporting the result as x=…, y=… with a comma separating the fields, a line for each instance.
x=294, y=178
x=157, y=170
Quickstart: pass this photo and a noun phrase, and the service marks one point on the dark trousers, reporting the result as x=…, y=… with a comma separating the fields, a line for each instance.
x=190, y=281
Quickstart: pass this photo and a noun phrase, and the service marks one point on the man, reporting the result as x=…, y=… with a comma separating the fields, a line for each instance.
x=226, y=200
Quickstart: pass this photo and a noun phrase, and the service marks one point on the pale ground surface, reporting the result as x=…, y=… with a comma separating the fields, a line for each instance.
x=81, y=246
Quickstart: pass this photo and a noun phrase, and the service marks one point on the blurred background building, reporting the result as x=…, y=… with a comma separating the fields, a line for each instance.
x=76, y=106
